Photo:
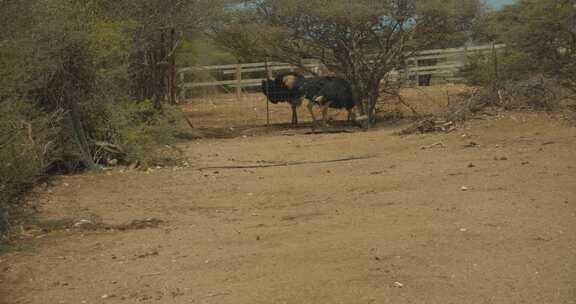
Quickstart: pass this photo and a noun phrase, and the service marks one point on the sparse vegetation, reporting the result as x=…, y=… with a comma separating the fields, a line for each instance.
x=536, y=70
x=83, y=84
x=540, y=38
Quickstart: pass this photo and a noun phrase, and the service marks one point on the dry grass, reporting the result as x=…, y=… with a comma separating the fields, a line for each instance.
x=226, y=110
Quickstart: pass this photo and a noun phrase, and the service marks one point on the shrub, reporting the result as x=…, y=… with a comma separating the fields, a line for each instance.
x=486, y=70
x=27, y=146
x=137, y=130
x=33, y=142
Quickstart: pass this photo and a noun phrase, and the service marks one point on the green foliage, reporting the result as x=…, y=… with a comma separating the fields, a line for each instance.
x=203, y=51
x=540, y=36
x=490, y=69
x=109, y=47
x=74, y=65
x=457, y=22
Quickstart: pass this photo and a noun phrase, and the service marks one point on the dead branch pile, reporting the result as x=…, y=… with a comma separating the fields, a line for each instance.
x=535, y=94
x=465, y=107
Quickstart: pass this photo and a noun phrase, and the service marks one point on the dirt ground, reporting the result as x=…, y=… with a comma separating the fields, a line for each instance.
x=486, y=214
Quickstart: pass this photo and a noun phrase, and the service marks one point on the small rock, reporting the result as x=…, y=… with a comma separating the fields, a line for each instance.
x=113, y=162
x=464, y=188
x=83, y=223
x=463, y=229
x=398, y=285
x=471, y=165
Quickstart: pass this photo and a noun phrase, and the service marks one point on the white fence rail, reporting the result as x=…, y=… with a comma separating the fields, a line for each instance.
x=441, y=65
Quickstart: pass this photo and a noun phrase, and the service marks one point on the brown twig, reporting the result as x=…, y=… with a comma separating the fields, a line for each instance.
x=29, y=132
x=328, y=132
x=402, y=101
x=432, y=146
x=189, y=122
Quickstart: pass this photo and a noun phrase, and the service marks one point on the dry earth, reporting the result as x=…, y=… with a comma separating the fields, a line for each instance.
x=397, y=227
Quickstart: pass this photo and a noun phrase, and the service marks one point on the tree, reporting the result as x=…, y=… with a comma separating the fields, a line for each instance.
x=540, y=36
x=159, y=28
x=67, y=54
x=361, y=40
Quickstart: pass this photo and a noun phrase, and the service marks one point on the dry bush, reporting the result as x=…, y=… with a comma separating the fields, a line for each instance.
x=33, y=142
x=535, y=94
x=27, y=147
x=130, y=132
x=461, y=108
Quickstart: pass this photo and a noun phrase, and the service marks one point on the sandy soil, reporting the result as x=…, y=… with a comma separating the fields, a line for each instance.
x=397, y=227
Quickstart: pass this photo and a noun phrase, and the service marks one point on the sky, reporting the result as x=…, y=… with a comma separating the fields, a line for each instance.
x=499, y=3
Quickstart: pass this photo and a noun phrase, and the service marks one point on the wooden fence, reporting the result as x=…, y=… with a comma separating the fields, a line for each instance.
x=425, y=67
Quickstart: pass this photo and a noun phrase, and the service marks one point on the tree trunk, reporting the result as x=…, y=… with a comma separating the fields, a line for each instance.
x=367, y=98
x=70, y=85
x=80, y=136
x=172, y=62
x=373, y=95
x=159, y=69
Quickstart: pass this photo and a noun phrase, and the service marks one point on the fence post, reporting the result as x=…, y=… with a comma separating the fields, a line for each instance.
x=238, y=81
x=268, y=71
x=495, y=62
x=268, y=77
